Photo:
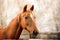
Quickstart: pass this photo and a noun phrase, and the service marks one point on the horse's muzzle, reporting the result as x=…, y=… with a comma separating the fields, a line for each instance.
x=34, y=34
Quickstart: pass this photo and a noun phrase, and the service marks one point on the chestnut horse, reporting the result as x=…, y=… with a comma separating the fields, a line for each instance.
x=20, y=22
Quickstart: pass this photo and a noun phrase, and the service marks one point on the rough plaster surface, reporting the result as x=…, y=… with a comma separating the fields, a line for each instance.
x=46, y=12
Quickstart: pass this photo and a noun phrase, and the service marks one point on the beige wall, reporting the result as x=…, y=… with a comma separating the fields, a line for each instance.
x=8, y=9
x=46, y=13
x=2, y=15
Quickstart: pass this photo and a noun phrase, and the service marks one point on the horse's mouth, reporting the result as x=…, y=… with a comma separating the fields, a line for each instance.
x=34, y=35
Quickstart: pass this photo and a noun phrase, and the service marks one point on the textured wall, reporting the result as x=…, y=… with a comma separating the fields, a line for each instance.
x=46, y=12
x=2, y=13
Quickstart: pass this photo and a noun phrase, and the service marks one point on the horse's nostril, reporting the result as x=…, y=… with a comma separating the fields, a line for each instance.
x=35, y=33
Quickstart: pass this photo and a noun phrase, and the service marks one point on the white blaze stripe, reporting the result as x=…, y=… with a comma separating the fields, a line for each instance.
x=31, y=16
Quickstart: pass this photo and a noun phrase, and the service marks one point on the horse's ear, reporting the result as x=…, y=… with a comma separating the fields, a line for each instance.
x=32, y=8
x=25, y=8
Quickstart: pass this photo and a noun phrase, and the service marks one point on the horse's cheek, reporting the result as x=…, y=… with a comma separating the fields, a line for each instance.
x=23, y=23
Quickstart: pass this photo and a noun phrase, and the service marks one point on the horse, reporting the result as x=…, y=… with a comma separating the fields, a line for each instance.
x=22, y=21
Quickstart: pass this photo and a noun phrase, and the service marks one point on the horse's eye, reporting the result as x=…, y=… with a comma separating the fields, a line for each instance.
x=26, y=17
x=27, y=24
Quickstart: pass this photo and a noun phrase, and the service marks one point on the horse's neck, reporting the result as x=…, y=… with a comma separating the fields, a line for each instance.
x=14, y=29
x=19, y=30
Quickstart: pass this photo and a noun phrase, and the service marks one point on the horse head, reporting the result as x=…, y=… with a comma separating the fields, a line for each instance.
x=27, y=22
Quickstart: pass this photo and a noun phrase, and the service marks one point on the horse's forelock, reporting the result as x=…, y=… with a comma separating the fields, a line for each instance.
x=32, y=16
